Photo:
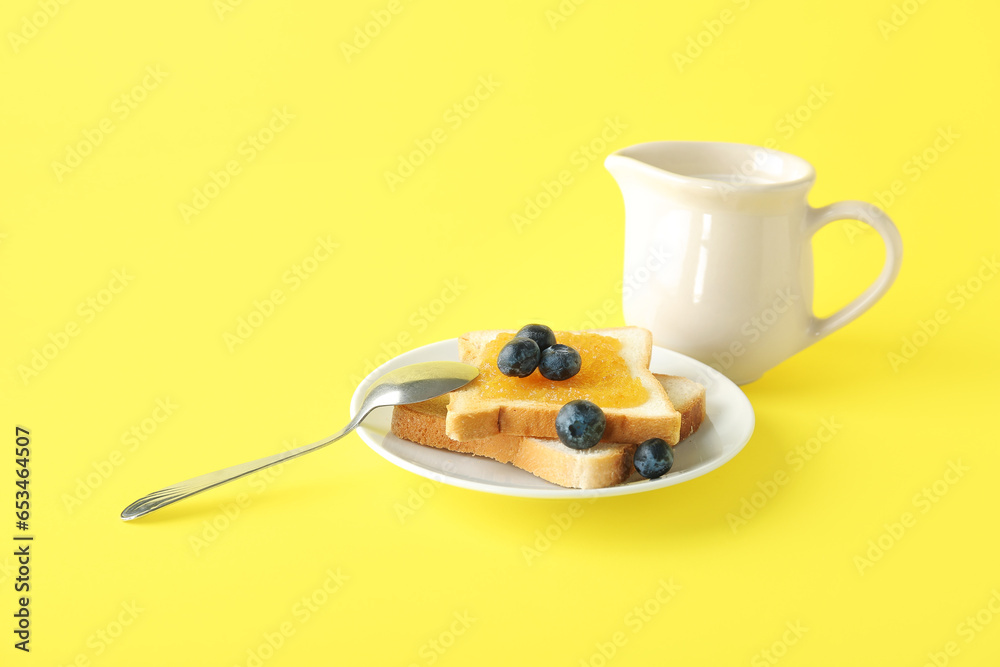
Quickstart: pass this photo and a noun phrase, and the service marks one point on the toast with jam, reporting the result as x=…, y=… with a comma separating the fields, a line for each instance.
x=613, y=373
x=605, y=464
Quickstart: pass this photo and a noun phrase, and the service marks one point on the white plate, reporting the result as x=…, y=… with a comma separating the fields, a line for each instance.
x=727, y=428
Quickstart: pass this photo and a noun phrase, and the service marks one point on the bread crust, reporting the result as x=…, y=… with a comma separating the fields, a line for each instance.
x=688, y=398
x=471, y=417
x=426, y=428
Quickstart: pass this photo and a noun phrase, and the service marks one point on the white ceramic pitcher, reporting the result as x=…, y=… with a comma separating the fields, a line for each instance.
x=718, y=253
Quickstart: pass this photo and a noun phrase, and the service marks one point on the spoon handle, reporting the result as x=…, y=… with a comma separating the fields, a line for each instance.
x=190, y=487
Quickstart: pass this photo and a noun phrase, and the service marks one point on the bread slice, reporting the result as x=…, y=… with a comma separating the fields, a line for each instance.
x=471, y=416
x=606, y=464
x=688, y=398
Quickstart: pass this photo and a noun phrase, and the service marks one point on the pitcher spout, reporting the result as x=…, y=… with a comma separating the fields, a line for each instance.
x=635, y=174
x=708, y=167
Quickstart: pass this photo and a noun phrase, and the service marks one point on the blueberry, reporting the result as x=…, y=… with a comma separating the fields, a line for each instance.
x=541, y=334
x=580, y=424
x=654, y=458
x=559, y=362
x=518, y=358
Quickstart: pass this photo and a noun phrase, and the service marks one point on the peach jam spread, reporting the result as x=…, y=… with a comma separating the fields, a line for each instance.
x=604, y=377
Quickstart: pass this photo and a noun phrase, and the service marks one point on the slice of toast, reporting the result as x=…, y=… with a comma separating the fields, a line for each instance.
x=688, y=398
x=471, y=416
x=606, y=464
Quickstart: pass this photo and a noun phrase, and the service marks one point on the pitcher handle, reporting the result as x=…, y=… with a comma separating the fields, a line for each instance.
x=874, y=217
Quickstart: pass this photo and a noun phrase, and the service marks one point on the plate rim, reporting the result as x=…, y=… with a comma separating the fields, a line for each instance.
x=556, y=492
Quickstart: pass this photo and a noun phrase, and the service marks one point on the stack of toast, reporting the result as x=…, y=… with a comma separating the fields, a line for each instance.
x=512, y=420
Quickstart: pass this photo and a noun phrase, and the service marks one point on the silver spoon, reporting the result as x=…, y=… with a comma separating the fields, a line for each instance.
x=409, y=384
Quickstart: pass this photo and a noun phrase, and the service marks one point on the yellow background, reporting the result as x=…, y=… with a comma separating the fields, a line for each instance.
x=323, y=175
